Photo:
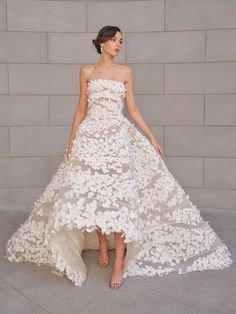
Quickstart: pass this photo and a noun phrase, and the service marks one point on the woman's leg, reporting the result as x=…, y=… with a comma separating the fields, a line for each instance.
x=117, y=274
x=103, y=257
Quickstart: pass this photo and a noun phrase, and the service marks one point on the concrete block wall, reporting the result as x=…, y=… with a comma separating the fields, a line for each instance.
x=183, y=55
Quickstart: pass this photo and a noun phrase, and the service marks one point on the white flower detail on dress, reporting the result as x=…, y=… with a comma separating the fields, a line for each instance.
x=116, y=180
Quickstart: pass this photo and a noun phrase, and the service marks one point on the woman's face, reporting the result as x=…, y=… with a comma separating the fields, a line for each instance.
x=113, y=45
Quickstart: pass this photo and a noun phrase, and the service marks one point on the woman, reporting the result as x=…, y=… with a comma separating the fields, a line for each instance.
x=108, y=43
x=113, y=180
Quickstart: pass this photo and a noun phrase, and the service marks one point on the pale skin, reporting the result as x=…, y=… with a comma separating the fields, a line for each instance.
x=106, y=68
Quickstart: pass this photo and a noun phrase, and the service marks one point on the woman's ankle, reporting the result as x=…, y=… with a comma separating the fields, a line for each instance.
x=102, y=238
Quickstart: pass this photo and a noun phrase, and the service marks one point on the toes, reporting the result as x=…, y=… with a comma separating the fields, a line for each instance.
x=103, y=264
x=115, y=284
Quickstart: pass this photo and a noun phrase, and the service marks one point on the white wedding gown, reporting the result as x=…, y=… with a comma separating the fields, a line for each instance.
x=116, y=180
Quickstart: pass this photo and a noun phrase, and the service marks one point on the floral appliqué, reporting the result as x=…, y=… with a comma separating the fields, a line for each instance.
x=116, y=180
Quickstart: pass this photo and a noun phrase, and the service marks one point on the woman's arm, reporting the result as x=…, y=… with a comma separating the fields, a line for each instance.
x=81, y=110
x=135, y=114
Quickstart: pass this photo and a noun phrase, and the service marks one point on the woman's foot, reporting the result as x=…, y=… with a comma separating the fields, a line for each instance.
x=117, y=274
x=103, y=258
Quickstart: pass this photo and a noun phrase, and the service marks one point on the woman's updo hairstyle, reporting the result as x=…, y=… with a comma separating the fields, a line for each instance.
x=105, y=33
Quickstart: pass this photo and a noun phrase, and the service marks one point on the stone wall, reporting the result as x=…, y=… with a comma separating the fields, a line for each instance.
x=183, y=55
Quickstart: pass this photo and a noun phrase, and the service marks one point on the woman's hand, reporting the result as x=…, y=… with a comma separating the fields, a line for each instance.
x=157, y=146
x=68, y=149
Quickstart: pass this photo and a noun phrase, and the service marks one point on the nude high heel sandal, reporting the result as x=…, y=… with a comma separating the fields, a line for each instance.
x=100, y=262
x=114, y=284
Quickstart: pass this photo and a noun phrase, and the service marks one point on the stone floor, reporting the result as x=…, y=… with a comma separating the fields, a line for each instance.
x=27, y=288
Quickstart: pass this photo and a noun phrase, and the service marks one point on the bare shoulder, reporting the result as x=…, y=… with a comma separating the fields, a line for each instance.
x=87, y=69
x=124, y=67
x=126, y=72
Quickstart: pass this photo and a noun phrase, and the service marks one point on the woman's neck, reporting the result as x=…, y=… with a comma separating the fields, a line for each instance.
x=106, y=62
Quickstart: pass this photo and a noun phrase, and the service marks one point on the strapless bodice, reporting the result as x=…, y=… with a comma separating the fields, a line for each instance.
x=95, y=84
x=105, y=98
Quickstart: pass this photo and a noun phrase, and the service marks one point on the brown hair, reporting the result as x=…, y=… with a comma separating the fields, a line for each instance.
x=105, y=33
